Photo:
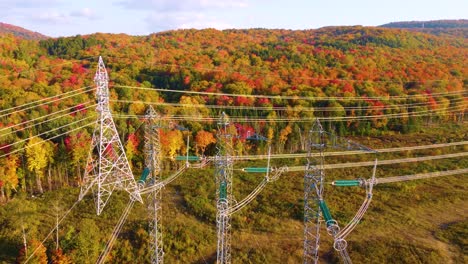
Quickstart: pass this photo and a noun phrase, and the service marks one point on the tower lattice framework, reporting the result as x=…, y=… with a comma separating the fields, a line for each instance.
x=313, y=192
x=107, y=166
x=315, y=208
x=223, y=174
x=152, y=151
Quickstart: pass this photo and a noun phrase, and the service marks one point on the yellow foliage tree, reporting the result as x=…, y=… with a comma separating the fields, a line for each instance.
x=39, y=153
x=78, y=144
x=8, y=176
x=270, y=134
x=284, y=133
x=172, y=142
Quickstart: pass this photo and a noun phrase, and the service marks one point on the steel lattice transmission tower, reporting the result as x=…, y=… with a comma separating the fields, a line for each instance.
x=315, y=207
x=152, y=151
x=313, y=192
x=223, y=174
x=107, y=167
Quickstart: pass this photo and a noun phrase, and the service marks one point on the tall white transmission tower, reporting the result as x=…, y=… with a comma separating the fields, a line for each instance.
x=151, y=175
x=107, y=167
x=224, y=199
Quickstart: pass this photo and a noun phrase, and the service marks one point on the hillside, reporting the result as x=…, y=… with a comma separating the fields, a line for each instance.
x=382, y=87
x=461, y=23
x=457, y=28
x=20, y=32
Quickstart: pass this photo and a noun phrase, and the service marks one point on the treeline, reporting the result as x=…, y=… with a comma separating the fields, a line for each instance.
x=359, y=80
x=20, y=32
x=444, y=28
x=460, y=23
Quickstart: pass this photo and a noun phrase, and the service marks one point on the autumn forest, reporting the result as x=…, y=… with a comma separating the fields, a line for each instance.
x=383, y=87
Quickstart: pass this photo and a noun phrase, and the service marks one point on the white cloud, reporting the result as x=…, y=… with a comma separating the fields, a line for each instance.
x=84, y=13
x=30, y=4
x=24, y=8
x=225, y=4
x=183, y=20
x=210, y=23
x=177, y=14
x=51, y=17
x=182, y=5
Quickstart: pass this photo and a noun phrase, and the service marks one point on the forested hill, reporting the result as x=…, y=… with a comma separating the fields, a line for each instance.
x=460, y=23
x=20, y=32
x=391, y=87
x=336, y=62
x=400, y=79
x=333, y=61
x=458, y=28
x=386, y=69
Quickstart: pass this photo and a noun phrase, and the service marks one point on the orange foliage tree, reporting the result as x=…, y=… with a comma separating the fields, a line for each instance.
x=203, y=139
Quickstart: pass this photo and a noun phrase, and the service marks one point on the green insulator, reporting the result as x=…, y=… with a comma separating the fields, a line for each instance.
x=222, y=191
x=325, y=211
x=253, y=169
x=144, y=175
x=189, y=158
x=347, y=183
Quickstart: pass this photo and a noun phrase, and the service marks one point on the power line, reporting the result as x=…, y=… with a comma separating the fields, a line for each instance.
x=343, y=153
x=384, y=162
x=308, y=119
x=115, y=232
x=51, y=231
x=282, y=108
x=285, y=97
x=56, y=136
x=409, y=114
x=262, y=74
x=45, y=67
x=419, y=176
x=46, y=121
x=78, y=92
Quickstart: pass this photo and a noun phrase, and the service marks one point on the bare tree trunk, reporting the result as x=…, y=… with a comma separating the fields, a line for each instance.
x=301, y=140
x=2, y=194
x=25, y=244
x=66, y=177
x=49, y=178
x=39, y=184
x=30, y=183
x=59, y=175
x=79, y=174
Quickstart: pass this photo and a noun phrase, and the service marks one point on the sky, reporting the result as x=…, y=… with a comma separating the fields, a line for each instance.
x=57, y=18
